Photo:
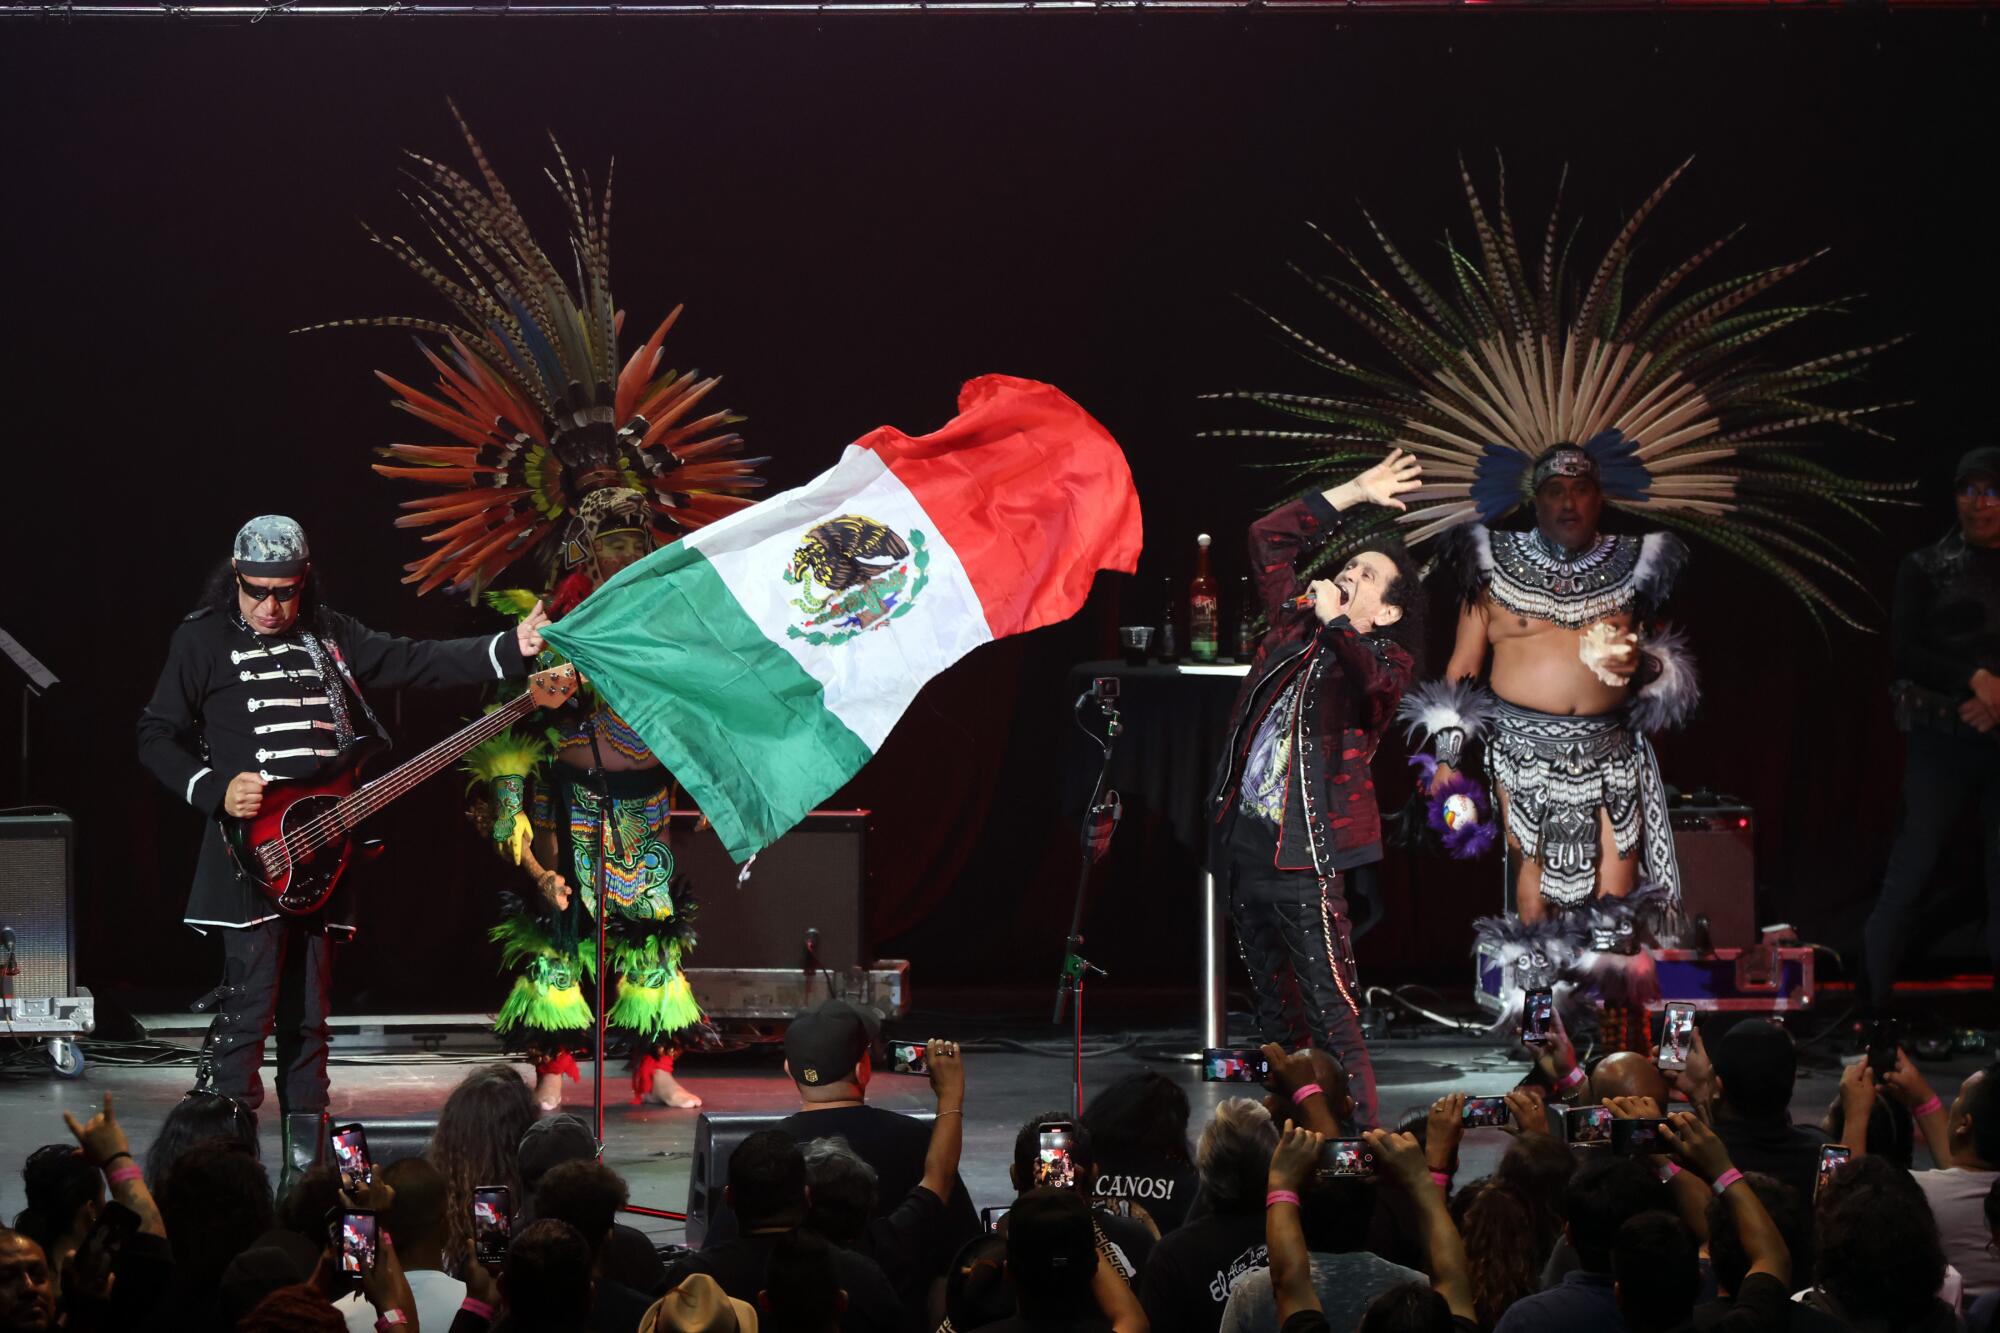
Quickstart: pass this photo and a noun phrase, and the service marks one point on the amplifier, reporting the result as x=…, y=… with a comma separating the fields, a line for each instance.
x=1715, y=841
x=813, y=878
x=37, y=902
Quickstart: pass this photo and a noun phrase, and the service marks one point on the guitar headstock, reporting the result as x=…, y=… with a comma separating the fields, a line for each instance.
x=554, y=687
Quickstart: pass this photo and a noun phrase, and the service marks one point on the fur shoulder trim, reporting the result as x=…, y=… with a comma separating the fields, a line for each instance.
x=1669, y=699
x=1439, y=705
x=1662, y=556
x=1467, y=552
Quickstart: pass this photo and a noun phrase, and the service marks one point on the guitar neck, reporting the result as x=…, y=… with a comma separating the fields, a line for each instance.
x=373, y=796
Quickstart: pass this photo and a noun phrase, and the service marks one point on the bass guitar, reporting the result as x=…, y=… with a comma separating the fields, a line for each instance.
x=297, y=845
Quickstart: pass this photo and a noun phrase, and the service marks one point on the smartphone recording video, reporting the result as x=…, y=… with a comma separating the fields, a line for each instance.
x=1587, y=1126
x=909, y=1057
x=1346, y=1159
x=1538, y=1015
x=1884, y=1035
x=492, y=1224
x=1831, y=1156
x=1486, y=1112
x=1637, y=1136
x=1676, y=1036
x=350, y=1157
x=357, y=1242
x=989, y=1218
x=1055, y=1156
x=1234, y=1064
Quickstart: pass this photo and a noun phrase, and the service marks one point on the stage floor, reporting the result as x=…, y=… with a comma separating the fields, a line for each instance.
x=1008, y=1082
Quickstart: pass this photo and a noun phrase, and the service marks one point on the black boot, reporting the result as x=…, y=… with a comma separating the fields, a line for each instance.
x=305, y=1138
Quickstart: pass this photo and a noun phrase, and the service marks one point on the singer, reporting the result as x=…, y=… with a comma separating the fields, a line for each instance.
x=1293, y=805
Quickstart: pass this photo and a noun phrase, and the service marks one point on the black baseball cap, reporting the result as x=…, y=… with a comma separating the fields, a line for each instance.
x=1981, y=462
x=825, y=1043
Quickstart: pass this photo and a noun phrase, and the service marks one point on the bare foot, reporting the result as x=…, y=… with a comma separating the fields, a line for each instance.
x=549, y=1092
x=669, y=1093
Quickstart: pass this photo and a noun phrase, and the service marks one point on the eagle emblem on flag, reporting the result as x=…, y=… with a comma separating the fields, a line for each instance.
x=854, y=575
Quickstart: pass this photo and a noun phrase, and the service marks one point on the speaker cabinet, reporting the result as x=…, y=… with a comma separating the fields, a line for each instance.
x=813, y=878
x=37, y=902
x=1717, y=849
x=716, y=1136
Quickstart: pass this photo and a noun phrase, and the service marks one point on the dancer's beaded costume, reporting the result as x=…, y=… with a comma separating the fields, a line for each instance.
x=1491, y=374
x=562, y=453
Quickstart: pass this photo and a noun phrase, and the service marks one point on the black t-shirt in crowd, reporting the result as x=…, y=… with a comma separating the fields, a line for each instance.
x=895, y=1145
x=1187, y=1279
x=1762, y=1306
x=1774, y=1146
x=1165, y=1188
x=616, y=1308
x=738, y=1268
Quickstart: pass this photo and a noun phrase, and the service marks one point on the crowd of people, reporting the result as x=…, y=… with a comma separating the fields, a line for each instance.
x=849, y=1218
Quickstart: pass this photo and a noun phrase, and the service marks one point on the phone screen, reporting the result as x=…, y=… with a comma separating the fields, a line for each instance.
x=1588, y=1125
x=350, y=1157
x=1346, y=1158
x=1831, y=1155
x=989, y=1218
x=909, y=1057
x=1637, y=1136
x=1677, y=1036
x=1055, y=1157
x=357, y=1242
x=1486, y=1112
x=492, y=1223
x=1884, y=1036
x=1538, y=1014
x=1234, y=1064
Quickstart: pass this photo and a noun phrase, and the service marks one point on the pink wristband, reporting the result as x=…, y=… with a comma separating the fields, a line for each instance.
x=1442, y=1179
x=1936, y=1103
x=1668, y=1171
x=119, y=1175
x=1309, y=1090
x=1571, y=1079
x=480, y=1308
x=1725, y=1180
x=1281, y=1196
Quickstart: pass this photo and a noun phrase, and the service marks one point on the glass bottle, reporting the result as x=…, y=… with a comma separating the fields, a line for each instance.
x=1203, y=607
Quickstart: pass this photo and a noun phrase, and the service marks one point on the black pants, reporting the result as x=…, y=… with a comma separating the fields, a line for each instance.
x=1296, y=940
x=1945, y=771
x=276, y=976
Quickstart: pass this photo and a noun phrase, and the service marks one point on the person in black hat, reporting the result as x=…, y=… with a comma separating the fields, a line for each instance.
x=262, y=682
x=1059, y=1279
x=827, y=1053
x=1945, y=634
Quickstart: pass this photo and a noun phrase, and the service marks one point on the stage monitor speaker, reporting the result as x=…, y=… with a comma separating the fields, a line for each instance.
x=396, y=1140
x=813, y=878
x=37, y=902
x=1716, y=845
x=716, y=1136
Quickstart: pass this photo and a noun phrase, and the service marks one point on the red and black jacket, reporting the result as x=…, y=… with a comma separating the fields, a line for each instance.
x=1350, y=684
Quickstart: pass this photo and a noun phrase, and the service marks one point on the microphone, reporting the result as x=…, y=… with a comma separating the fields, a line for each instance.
x=1303, y=602
x=812, y=951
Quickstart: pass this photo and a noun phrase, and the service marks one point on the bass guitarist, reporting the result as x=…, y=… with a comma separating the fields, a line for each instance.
x=263, y=683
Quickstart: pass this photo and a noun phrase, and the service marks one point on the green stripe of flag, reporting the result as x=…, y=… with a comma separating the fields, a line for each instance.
x=729, y=712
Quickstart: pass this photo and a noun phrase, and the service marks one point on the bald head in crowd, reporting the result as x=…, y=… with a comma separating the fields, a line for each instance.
x=1628, y=1074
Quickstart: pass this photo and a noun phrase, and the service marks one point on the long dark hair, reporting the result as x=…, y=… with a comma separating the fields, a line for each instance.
x=218, y=592
x=478, y=1142
x=1407, y=595
x=199, y=1116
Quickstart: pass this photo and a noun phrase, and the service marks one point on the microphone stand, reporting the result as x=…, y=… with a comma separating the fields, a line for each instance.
x=599, y=781
x=1100, y=821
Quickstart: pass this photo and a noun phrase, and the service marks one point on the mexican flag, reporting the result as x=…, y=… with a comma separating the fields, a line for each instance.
x=765, y=657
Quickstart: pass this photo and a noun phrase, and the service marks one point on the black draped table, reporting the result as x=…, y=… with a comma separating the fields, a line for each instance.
x=1176, y=721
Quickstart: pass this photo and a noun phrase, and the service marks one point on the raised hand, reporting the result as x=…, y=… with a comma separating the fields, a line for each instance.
x=528, y=634
x=1530, y=1116
x=947, y=1072
x=1401, y=1157
x=1395, y=475
x=1290, y=1070
x=102, y=1138
x=1296, y=1157
x=1444, y=1128
x=1695, y=1144
x=1906, y=1083
x=554, y=888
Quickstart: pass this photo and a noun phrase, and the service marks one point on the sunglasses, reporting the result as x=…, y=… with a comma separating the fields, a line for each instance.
x=283, y=594
x=1974, y=491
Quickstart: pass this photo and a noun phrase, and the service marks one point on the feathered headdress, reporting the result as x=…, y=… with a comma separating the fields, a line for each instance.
x=530, y=386
x=1508, y=358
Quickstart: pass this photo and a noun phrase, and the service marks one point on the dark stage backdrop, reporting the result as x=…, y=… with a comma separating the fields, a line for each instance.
x=860, y=213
